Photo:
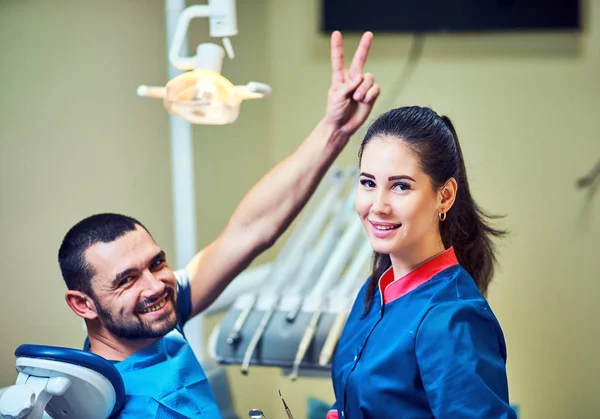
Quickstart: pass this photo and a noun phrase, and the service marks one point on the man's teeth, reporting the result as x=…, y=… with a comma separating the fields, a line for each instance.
x=380, y=227
x=155, y=307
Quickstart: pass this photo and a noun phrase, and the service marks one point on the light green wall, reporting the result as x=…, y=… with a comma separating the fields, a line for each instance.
x=75, y=140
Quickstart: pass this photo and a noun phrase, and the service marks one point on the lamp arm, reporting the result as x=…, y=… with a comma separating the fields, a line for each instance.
x=222, y=22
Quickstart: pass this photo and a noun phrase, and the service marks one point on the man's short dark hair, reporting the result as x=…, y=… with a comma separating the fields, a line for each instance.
x=99, y=228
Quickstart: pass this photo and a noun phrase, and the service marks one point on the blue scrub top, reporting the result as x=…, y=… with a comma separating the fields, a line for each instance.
x=165, y=380
x=430, y=346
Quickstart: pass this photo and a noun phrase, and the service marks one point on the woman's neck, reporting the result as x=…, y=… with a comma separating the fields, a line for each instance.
x=412, y=257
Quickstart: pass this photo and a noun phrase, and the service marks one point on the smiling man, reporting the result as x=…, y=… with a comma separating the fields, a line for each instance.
x=133, y=292
x=135, y=305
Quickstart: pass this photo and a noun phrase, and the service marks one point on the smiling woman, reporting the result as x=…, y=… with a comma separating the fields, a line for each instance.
x=399, y=209
x=431, y=194
x=429, y=345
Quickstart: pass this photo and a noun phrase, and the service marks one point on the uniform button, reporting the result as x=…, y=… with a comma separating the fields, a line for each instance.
x=355, y=358
x=342, y=413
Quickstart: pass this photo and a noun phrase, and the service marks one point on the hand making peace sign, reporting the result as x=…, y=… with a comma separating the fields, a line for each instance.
x=352, y=94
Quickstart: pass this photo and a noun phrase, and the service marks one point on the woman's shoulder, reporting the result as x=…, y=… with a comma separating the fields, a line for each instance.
x=458, y=292
x=456, y=284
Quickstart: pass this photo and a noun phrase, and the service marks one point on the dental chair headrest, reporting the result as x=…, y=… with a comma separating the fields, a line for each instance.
x=75, y=364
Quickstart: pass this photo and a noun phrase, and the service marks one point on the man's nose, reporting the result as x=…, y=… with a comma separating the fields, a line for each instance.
x=154, y=287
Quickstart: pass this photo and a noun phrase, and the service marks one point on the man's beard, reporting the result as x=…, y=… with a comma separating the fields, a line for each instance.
x=135, y=327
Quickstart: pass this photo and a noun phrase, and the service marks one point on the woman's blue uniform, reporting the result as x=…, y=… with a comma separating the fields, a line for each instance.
x=430, y=346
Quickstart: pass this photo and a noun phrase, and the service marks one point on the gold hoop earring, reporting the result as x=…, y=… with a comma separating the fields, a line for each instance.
x=442, y=215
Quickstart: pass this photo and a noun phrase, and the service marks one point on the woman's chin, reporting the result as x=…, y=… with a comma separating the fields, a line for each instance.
x=379, y=248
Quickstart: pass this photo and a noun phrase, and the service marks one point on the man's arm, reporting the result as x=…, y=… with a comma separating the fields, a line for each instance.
x=272, y=204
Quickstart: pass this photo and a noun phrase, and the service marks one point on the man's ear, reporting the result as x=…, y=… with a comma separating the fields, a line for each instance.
x=81, y=304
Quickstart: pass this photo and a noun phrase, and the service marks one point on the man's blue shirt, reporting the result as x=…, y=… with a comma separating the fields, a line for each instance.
x=165, y=380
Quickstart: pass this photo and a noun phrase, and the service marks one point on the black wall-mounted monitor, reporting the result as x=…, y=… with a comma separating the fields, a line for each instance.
x=427, y=16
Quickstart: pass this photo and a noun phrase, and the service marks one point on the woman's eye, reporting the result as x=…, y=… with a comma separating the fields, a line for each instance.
x=401, y=186
x=367, y=183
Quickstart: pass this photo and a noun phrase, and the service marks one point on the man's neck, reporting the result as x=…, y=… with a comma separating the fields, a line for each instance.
x=116, y=349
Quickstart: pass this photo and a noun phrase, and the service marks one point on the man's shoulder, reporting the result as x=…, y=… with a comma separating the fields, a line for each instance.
x=182, y=277
x=184, y=296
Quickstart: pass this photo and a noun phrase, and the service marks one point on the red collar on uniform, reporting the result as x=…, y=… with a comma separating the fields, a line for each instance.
x=392, y=290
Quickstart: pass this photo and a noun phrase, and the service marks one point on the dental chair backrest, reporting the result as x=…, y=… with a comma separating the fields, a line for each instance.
x=62, y=383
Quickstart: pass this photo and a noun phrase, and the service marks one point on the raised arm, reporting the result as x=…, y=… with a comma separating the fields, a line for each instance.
x=272, y=204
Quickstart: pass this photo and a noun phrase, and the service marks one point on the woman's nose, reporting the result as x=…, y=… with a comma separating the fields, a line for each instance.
x=380, y=204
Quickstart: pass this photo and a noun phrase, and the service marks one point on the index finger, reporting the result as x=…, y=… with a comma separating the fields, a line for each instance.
x=360, y=56
x=337, y=57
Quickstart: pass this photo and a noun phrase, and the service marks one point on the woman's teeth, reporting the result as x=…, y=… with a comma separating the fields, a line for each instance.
x=379, y=227
x=155, y=307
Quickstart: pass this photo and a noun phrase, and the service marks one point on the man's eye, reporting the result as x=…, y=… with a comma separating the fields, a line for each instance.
x=125, y=281
x=158, y=263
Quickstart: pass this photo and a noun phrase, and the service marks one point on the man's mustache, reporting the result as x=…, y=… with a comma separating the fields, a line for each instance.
x=149, y=302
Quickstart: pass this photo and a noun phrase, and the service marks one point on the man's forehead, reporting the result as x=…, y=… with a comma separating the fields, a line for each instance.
x=131, y=250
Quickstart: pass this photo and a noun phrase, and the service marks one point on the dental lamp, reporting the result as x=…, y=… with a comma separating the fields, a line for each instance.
x=201, y=95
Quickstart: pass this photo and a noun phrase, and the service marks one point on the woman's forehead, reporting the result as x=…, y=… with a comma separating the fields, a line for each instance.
x=385, y=154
